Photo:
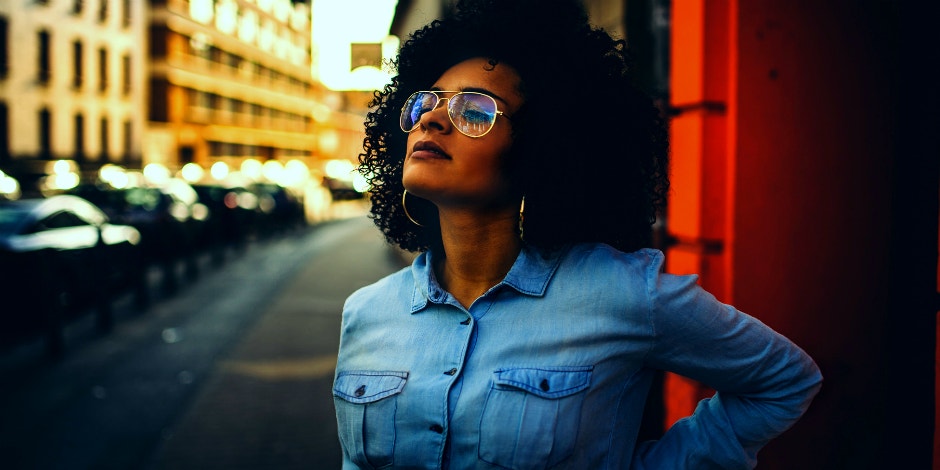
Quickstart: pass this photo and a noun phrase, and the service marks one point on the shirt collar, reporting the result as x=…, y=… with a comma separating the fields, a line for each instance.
x=529, y=275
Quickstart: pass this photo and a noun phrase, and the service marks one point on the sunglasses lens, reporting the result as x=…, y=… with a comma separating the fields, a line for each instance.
x=416, y=105
x=472, y=113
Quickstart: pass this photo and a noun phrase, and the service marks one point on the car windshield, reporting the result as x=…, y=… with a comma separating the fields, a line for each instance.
x=147, y=199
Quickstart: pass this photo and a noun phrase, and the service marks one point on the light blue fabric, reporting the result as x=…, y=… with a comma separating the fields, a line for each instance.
x=551, y=369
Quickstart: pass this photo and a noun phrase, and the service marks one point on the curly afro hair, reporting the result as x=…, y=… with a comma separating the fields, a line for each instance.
x=590, y=151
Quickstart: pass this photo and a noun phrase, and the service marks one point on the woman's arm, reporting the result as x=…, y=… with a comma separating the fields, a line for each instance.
x=764, y=381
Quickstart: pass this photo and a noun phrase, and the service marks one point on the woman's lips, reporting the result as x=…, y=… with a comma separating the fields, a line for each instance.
x=430, y=150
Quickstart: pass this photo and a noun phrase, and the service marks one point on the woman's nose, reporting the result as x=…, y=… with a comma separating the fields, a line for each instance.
x=436, y=118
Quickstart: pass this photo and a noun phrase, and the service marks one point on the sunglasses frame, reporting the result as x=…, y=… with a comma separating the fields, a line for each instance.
x=451, y=118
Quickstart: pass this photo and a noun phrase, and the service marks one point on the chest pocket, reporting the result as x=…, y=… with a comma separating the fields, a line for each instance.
x=531, y=416
x=365, y=404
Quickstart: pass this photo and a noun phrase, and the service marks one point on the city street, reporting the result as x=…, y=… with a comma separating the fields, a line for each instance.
x=234, y=371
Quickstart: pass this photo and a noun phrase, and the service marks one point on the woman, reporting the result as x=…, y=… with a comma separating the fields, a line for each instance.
x=514, y=154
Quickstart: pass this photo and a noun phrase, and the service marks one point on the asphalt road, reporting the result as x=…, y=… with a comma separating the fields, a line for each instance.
x=232, y=372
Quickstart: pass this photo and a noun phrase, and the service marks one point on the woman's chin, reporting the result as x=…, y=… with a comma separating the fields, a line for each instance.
x=418, y=189
x=421, y=184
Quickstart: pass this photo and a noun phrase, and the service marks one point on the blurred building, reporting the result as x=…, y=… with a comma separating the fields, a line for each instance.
x=71, y=84
x=230, y=80
x=166, y=82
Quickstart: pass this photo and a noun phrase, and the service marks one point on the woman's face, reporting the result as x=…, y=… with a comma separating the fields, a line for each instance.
x=451, y=169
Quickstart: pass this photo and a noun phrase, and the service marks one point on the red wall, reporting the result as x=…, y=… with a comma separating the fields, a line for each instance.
x=787, y=180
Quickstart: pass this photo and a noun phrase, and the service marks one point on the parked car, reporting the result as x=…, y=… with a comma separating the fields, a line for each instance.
x=59, y=257
x=233, y=217
x=342, y=189
x=169, y=219
x=282, y=209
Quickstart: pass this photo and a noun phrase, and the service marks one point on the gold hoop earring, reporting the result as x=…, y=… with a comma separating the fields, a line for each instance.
x=522, y=219
x=404, y=195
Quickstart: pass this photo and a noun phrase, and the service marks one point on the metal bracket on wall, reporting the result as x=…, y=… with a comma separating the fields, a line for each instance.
x=702, y=246
x=710, y=107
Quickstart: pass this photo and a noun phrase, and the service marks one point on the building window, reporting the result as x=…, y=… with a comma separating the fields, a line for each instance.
x=45, y=133
x=215, y=149
x=126, y=14
x=45, y=64
x=198, y=45
x=105, y=148
x=102, y=69
x=159, y=36
x=4, y=133
x=78, y=6
x=77, y=64
x=4, y=65
x=79, y=137
x=126, y=74
x=187, y=154
x=191, y=98
x=233, y=61
x=159, y=91
x=128, y=141
x=103, y=11
x=215, y=54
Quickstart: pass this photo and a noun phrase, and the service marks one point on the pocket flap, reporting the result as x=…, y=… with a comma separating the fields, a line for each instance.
x=368, y=386
x=546, y=382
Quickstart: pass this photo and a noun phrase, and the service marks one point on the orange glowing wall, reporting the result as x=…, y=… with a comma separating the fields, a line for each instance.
x=698, y=138
x=785, y=186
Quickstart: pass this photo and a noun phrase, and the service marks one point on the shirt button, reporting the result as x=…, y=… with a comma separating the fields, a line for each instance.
x=451, y=372
x=544, y=385
x=360, y=391
x=465, y=322
x=437, y=428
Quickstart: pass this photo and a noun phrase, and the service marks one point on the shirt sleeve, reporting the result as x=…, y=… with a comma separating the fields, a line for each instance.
x=763, y=381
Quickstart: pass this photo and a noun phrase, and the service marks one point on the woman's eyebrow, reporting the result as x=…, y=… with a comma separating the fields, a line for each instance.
x=474, y=89
x=485, y=92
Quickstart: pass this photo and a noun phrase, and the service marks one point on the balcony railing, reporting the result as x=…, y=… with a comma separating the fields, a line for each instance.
x=207, y=116
x=241, y=76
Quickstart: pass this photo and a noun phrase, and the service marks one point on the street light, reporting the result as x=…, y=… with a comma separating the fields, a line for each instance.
x=192, y=172
x=9, y=187
x=219, y=170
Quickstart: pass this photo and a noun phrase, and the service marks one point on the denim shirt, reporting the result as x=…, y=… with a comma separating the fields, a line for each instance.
x=551, y=369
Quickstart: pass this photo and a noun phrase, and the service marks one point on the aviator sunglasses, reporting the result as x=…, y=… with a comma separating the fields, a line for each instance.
x=471, y=112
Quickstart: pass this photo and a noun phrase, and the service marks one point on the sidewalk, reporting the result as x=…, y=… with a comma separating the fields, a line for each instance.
x=268, y=403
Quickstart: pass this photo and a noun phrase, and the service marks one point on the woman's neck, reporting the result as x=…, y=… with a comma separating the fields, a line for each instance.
x=478, y=252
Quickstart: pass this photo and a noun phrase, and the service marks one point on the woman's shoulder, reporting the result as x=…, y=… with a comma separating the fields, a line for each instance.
x=601, y=269
x=601, y=258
